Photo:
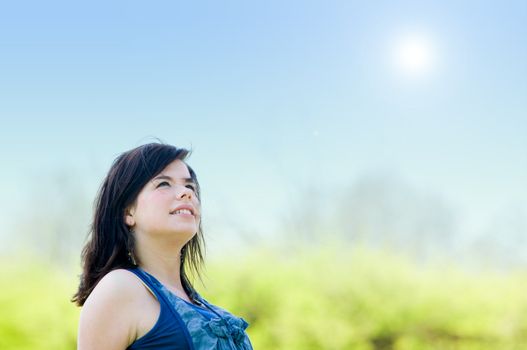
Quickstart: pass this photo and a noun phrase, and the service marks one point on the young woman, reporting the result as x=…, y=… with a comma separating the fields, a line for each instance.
x=145, y=236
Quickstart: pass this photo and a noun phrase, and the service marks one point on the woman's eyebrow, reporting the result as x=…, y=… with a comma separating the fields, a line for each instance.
x=166, y=177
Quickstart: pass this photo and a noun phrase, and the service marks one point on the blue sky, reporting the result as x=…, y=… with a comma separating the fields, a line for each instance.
x=280, y=95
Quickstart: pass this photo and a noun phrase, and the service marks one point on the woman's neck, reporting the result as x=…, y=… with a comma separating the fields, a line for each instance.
x=160, y=259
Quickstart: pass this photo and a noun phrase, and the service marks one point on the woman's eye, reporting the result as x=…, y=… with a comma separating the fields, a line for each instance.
x=161, y=183
x=192, y=187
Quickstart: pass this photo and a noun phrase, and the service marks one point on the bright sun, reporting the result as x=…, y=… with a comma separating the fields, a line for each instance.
x=414, y=55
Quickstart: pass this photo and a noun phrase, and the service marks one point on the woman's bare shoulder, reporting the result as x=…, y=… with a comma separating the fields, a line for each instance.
x=118, y=286
x=109, y=316
x=122, y=280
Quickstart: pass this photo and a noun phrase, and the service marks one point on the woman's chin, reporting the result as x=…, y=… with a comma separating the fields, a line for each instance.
x=184, y=232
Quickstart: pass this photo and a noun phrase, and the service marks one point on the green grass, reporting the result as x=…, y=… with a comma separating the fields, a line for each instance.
x=35, y=308
x=332, y=299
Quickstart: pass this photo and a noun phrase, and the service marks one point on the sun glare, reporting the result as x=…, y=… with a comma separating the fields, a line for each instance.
x=414, y=56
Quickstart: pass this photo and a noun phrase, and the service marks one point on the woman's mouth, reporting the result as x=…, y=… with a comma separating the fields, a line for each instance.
x=184, y=212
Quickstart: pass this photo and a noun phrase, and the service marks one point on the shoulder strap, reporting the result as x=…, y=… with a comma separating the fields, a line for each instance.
x=148, y=285
x=163, y=301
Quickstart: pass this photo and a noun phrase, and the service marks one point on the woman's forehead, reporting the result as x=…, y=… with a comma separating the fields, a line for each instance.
x=175, y=170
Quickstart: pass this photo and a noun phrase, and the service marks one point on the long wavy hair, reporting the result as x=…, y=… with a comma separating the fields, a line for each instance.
x=109, y=239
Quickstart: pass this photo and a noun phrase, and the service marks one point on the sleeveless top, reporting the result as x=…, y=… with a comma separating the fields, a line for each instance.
x=182, y=325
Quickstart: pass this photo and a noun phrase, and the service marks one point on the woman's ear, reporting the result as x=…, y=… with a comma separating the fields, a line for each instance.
x=129, y=217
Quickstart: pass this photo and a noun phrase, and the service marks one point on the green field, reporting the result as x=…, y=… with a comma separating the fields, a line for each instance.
x=332, y=299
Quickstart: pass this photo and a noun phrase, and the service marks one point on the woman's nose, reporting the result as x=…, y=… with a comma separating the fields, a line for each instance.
x=185, y=192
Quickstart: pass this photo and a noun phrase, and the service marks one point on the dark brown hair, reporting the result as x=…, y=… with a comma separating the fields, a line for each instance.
x=109, y=240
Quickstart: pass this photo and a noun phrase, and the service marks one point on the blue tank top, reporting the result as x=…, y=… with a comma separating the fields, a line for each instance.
x=183, y=325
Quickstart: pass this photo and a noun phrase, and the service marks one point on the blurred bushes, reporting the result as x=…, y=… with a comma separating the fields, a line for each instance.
x=35, y=308
x=364, y=299
x=332, y=299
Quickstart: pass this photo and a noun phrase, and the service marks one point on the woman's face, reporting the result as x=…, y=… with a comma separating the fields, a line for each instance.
x=154, y=213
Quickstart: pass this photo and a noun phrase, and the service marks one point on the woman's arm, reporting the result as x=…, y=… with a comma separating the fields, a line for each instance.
x=108, y=320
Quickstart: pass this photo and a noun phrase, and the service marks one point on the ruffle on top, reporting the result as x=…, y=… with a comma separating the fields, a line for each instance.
x=234, y=327
x=217, y=329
